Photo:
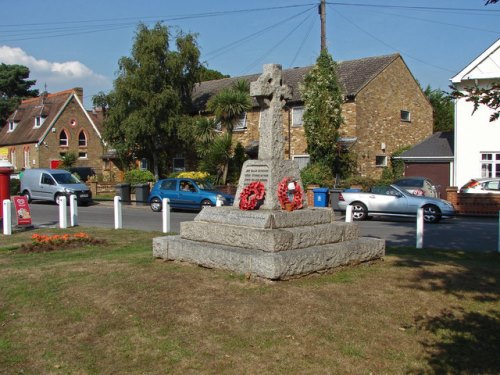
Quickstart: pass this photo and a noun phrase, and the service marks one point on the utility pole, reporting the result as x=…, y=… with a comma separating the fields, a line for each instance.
x=322, y=15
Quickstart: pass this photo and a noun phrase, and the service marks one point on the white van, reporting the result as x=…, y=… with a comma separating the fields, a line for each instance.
x=50, y=184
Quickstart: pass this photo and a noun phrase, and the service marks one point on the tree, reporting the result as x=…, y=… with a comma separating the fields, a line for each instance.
x=14, y=86
x=323, y=98
x=228, y=106
x=210, y=75
x=489, y=96
x=444, y=110
x=151, y=95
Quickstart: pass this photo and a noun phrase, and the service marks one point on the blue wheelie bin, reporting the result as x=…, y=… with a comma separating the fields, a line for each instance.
x=321, y=197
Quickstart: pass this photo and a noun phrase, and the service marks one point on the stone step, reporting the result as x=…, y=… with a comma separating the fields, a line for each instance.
x=266, y=219
x=269, y=240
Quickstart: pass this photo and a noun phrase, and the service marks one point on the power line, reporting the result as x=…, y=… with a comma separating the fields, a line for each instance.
x=415, y=7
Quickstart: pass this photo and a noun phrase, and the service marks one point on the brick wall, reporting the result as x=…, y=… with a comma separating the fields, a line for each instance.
x=473, y=204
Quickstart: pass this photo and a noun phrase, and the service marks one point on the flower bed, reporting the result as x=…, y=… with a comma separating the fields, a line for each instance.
x=43, y=243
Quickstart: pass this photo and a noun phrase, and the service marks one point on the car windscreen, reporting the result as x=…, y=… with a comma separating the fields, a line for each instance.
x=205, y=185
x=65, y=178
x=410, y=182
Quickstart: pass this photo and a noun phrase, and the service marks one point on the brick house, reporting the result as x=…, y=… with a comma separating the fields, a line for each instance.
x=43, y=129
x=384, y=110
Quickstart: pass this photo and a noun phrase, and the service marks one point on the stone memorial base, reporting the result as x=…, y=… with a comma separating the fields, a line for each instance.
x=271, y=244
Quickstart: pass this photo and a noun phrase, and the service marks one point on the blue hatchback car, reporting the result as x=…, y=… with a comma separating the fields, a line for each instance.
x=186, y=193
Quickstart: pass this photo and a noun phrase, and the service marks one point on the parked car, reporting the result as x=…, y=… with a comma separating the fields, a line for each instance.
x=186, y=193
x=420, y=186
x=392, y=200
x=51, y=184
x=482, y=185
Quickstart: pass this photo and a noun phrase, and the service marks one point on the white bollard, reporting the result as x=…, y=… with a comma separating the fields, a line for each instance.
x=348, y=214
x=218, y=202
x=73, y=210
x=420, y=228
x=63, y=220
x=7, y=217
x=118, y=212
x=166, y=215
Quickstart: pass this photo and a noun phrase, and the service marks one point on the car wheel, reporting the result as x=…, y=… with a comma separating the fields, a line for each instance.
x=27, y=195
x=359, y=211
x=432, y=214
x=57, y=197
x=155, y=205
x=206, y=203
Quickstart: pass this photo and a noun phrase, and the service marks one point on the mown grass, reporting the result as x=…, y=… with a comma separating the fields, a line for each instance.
x=113, y=309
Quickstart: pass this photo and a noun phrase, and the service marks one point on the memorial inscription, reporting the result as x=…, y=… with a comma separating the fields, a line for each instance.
x=256, y=173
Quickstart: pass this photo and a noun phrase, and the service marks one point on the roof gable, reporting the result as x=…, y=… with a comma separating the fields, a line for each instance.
x=354, y=75
x=485, y=66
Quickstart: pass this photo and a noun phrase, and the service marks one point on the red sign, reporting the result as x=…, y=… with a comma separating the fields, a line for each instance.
x=23, y=213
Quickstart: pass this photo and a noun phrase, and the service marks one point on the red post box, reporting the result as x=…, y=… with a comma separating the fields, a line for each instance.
x=6, y=170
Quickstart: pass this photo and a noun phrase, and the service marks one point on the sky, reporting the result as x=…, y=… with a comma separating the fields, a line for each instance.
x=78, y=44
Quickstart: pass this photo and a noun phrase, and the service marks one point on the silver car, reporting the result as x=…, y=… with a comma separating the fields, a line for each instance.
x=394, y=201
x=482, y=186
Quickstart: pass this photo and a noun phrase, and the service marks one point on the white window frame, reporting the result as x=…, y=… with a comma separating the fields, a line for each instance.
x=27, y=157
x=12, y=126
x=85, y=139
x=490, y=167
x=61, y=144
x=183, y=163
x=405, y=115
x=381, y=160
x=39, y=120
x=241, y=125
x=82, y=155
x=302, y=157
x=297, y=114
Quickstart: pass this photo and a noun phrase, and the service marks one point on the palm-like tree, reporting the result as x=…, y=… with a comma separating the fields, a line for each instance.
x=228, y=106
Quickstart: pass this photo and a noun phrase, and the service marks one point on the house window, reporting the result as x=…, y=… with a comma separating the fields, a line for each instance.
x=490, y=164
x=12, y=126
x=39, y=121
x=405, y=116
x=82, y=139
x=381, y=161
x=144, y=164
x=26, y=157
x=297, y=113
x=302, y=160
x=82, y=155
x=63, y=138
x=178, y=164
x=242, y=123
x=12, y=157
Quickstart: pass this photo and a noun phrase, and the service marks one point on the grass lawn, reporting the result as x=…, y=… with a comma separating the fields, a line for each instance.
x=112, y=309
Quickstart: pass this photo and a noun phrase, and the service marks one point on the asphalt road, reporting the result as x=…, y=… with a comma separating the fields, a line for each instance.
x=461, y=233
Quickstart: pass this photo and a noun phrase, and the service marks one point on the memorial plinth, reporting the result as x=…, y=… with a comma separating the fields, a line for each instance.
x=268, y=242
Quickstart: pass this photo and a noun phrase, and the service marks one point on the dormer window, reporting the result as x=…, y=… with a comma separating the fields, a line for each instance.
x=12, y=126
x=39, y=121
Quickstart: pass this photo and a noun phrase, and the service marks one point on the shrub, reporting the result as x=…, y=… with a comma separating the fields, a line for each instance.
x=15, y=186
x=195, y=175
x=139, y=176
x=317, y=174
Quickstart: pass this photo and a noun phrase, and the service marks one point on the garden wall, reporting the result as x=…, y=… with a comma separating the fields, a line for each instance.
x=473, y=204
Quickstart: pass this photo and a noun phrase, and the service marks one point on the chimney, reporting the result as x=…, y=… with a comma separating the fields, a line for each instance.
x=79, y=92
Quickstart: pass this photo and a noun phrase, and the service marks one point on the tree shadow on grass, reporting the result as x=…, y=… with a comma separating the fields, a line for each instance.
x=468, y=342
x=465, y=342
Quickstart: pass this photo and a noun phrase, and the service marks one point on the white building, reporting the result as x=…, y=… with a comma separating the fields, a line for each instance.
x=477, y=140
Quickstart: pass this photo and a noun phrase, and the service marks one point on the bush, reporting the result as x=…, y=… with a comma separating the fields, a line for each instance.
x=139, y=176
x=317, y=174
x=15, y=186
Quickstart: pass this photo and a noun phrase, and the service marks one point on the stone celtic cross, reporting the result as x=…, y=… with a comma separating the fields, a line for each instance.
x=271, y=95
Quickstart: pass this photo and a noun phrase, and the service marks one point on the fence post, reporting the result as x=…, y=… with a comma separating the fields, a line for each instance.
x=7, y=217
x=420, y=228
x=348, y=213
x=166, y=215
x=73, y=211
x=63, y=220
x=117, y=201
